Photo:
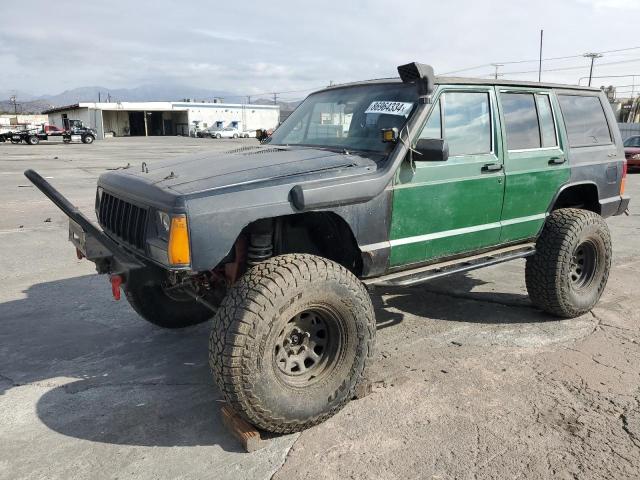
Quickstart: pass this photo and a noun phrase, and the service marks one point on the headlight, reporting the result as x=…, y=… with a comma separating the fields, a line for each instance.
x=635, y=157
x=165, y=221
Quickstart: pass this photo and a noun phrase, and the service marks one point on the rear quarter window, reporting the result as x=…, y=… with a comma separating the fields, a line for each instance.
x=585, y=120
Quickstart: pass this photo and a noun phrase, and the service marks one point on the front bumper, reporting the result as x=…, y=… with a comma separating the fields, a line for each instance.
x=90, y=242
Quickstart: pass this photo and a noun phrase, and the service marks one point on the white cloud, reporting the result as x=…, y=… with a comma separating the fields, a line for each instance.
x=290, y=46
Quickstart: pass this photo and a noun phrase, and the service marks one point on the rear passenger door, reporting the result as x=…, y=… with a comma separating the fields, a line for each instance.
x=535, y=160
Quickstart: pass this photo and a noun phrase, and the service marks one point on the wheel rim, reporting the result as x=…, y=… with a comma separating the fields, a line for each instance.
x=584, y=262
x=308, y=347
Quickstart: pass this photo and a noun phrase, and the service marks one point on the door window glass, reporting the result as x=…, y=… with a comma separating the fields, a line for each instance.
x=433, y=127
x=467, y=123
x=547, y=126
x=521, y=120
x=585, y=120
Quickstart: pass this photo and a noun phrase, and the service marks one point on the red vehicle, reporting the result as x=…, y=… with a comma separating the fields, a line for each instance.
x=52, y=130
x=632, y=151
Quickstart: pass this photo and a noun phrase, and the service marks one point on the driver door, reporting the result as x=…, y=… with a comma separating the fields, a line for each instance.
x=443, y=208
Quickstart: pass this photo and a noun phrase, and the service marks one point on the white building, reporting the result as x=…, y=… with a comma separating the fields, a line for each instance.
x=164, y=118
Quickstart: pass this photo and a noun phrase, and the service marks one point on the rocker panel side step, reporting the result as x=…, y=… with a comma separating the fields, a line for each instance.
x=436, y=270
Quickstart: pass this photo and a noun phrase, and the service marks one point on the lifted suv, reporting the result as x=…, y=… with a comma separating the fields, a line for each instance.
x=385, y=182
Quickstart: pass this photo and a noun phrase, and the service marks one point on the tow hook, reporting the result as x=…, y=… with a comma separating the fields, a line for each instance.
x=116, y=282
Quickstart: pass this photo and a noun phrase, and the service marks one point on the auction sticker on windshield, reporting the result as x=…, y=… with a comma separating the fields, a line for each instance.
x=390, y=108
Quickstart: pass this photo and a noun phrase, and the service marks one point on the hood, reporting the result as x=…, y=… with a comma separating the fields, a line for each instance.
x=242, y=166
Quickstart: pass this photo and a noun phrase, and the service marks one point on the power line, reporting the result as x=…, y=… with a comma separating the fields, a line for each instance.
x=513, y=62
x=559, y=69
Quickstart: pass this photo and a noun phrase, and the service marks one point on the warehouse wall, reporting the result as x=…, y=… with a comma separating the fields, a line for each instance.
x=116, y=121
x=249, y=117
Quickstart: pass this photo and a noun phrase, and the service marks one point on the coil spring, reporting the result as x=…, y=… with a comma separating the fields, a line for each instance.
x=260, y=248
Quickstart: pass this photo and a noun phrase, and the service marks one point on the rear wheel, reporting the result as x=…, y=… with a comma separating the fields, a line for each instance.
x=291, y=340
x=569, y=271
x=165, y=309
x=218, y=136
x=235, y=135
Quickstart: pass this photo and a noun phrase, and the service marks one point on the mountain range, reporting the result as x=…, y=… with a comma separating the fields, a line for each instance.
x=27, y=103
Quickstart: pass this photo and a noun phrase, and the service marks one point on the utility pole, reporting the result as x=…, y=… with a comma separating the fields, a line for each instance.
x=540, y=57
x=249, y=99
x=275, y=98
x=497, y=65
x=12, y=99
x=592, y=56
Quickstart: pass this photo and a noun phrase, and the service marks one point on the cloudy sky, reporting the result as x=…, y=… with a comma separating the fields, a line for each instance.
x=287, y=45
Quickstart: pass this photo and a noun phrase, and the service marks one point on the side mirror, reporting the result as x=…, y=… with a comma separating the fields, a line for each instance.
x=431, y=150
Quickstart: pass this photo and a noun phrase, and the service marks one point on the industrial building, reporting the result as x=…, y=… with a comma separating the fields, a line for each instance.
x=164, y=118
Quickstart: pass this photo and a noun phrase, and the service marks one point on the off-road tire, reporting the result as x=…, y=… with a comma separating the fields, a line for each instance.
x=257, y=309
x=549, y=272
x=155, y=306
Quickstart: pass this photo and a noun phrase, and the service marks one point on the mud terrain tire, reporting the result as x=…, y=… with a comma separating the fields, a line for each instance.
x=256, y=345
x=569, y=271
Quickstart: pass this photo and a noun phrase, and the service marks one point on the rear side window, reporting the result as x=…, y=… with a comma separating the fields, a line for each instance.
x=521, y=120
x=585, y=120
x=528, y=120
x=547, y=126
x=465, y=125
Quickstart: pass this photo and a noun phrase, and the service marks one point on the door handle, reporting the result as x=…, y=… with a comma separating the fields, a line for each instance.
x=557, y=160
x=492, y=167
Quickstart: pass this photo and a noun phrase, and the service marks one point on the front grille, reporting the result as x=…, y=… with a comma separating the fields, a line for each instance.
x=126, y=221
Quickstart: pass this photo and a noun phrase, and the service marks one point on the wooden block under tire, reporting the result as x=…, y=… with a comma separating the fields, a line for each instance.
x=246, y=433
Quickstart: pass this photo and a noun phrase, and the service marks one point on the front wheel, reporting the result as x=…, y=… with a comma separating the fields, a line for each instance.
x=291, y=340
x=569, y=271
x=88, y=139
x=168, y=310
x=33, y=140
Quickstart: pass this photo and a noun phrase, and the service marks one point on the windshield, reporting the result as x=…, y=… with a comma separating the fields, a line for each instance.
x=348, y=118
x=632, y=142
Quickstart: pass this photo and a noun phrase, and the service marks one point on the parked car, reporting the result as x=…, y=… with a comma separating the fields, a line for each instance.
x=228, y=132
x=632, y=151
x=388, y=182
x=209, y=132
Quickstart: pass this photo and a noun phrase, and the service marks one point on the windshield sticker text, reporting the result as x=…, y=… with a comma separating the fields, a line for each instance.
x=390, y=108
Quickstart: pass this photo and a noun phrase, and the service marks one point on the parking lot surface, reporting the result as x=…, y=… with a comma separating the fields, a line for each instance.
x=469, y=381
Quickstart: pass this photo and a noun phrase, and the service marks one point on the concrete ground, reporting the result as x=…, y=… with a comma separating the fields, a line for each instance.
x=470, y=380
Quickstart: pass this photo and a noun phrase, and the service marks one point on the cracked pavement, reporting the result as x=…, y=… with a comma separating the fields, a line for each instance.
x=470, y=381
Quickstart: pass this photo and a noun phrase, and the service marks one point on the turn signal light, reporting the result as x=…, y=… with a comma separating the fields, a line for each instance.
x=178, y=251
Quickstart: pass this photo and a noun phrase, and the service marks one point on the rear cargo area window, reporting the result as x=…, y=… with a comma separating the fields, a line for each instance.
x=585, y=120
